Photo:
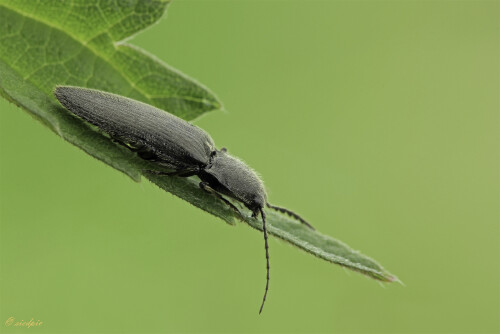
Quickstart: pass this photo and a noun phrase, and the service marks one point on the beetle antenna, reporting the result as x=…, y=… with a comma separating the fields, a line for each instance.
x=292, y=214
x=267, y=256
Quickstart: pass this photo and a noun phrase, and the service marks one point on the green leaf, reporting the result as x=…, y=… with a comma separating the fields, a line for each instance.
x=279, y=225
x=47, y=43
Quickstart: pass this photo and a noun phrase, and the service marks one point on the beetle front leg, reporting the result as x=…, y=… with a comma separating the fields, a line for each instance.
x=208, y=189
x=180, y=173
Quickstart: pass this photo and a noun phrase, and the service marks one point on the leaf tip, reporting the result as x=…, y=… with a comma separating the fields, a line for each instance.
x=393, y=278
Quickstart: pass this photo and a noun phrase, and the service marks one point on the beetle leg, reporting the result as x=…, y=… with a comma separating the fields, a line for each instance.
x=185, y=172
x=207, y=188
x=133, y=147
x=142, y=151
x=145, y=153
x=116, y=139
x=181, y=172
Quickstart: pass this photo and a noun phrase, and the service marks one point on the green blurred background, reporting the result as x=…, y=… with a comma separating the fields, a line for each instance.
x=378, y=121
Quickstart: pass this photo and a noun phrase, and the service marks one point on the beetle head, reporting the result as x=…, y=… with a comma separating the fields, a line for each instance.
x=232, y=177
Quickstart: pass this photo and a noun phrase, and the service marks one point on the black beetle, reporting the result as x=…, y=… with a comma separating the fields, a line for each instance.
x=175, y=145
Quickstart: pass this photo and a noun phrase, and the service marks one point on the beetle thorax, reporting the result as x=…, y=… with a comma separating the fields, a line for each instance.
x=232, y=177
